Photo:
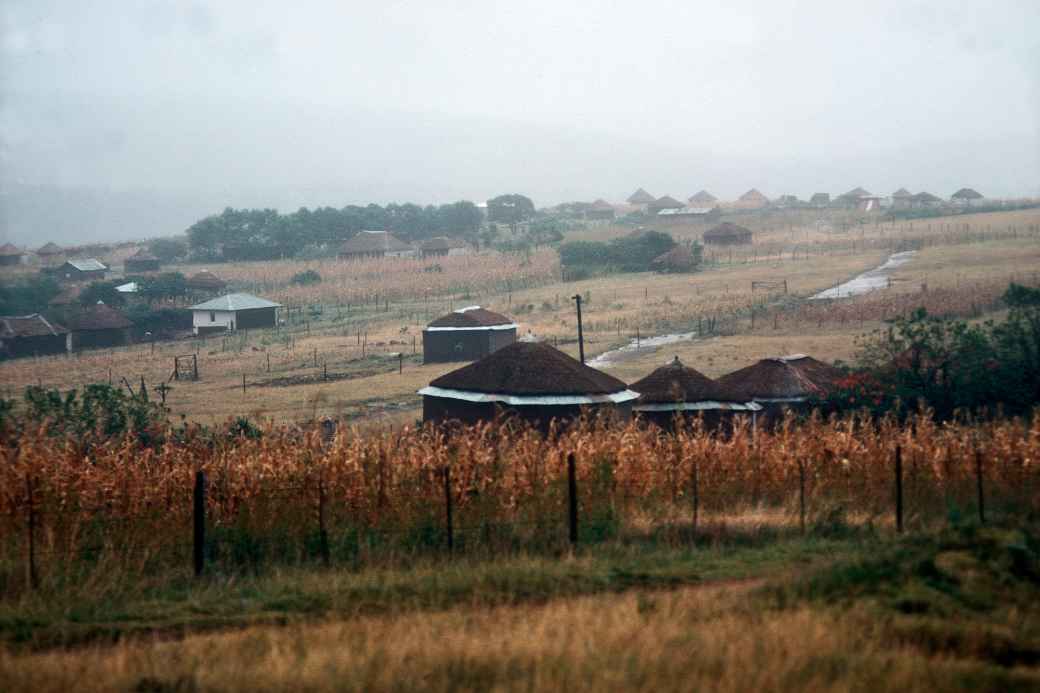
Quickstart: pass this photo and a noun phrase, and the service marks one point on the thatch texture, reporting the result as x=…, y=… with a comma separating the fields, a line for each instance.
x=676, y=382
x=530, y=369
x=727, y=233
x=475, y=317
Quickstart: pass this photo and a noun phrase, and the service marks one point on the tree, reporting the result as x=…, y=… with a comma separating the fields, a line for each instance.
x=169, y=249
x=104, y=292
x=162, y=286
x=510, y=209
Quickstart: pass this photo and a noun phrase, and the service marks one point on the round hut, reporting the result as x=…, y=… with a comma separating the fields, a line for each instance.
x=781, y=383
x=531, y=381
x=466, y=334
x=675, y=392
x=141, y=261
x=205, y=282
x=727, y=233
x=51, y=254
x=10, y=255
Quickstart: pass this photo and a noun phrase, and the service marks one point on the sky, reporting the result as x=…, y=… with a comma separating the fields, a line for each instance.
x=140, y=116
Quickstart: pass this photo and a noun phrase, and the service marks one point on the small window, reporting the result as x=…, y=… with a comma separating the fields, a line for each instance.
x=212, y=316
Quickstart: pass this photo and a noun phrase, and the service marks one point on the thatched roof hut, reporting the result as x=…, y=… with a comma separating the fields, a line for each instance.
x=664, y=202
x=787, y=379
x=29, y=335
x=141, y=261
x=532, y=381
x=640, y=197
x=467, y=334
x=753, y=199
x=703, y=199
x=375, y=244
x=727, y=233
x=675, y=389
x=205, y=280
x=678, y=259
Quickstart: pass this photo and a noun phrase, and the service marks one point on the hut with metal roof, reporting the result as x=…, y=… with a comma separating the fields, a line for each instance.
x=205, y=281
x=141, y=261
x=727, y=233
x=780, y=383
x=530, y=381
x=367, y=244
x=234, y=312
x=466, y=334
x=96, y=327
x=10, y=255
x=662, y=203
x=676, y=393
x=31, y=335
x=81, y=270
x=50, y=255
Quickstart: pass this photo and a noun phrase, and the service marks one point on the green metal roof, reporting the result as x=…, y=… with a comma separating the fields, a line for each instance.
x=234, y=302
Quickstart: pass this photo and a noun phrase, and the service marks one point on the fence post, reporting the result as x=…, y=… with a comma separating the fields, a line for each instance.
x=572, y=500
x=899, y=488
x=978, y=479
x=695, y=493
x=801, y=495
x=323, y=534
x=200, y=521
x=447, y=509
x=34, y=578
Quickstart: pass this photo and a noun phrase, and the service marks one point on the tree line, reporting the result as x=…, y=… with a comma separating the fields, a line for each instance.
x=261, y=234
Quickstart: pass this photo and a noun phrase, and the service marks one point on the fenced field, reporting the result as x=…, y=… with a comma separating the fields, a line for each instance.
x=231, y=503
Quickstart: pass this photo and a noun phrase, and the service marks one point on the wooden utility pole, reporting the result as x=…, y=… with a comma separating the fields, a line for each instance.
x=581, y=336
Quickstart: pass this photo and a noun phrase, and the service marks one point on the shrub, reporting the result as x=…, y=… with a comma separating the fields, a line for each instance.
x=305, y=278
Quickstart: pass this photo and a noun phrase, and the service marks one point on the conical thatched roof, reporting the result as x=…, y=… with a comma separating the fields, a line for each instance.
x=8, y=250
x=676, y=382
x=926, y=197
x=966, y=194
x=753, y=195
x=857, y=192
x=902, y=192
x=50, y=249
x=373, y=242
x=703, y=199
x=206, y=280
x=640, y=197
x=96, y=317
x=473, y=317
x=602, y=204
x=530, y=369
x=783, y=378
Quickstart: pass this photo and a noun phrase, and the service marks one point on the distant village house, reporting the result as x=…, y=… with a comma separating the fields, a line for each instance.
x=10, y=255
x=97, y=326
x=442, y=246
x=31, y=335
x=466, y=334
x=81, y=270
x=367, y=244
x=234, y=312
x=141, y=261
x=727, y=233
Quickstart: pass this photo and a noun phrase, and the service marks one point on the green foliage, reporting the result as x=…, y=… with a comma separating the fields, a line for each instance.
x=159, y=322
x=161, y=286
x=254, y=234
x=169, y=249
x=625, y=254
x=949, y=365
x=104, y=291
x=306, y=278
x=1018, y=296
x=99, y=409
x=510, y=209
x=27, y=296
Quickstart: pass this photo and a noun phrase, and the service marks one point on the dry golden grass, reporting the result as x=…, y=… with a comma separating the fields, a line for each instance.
x=701, y=638
x=619, y=305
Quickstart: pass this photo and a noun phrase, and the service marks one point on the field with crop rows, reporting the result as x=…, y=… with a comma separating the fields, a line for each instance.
x=114, y=505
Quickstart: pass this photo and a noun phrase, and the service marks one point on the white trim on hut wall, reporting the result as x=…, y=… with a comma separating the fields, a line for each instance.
x=521, y=400
x=699, y=406
x=221, y=318
x=510, y=326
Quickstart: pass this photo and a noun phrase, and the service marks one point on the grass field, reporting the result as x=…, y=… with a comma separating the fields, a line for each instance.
x=949, y=610
x=372, y=311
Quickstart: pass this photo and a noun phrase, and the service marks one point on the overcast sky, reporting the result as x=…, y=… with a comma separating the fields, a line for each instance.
x=346, y=102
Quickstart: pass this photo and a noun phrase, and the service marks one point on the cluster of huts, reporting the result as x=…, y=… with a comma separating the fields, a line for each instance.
x=537, y=383
x=373, y=244
x=54, y=261
x=705, y=206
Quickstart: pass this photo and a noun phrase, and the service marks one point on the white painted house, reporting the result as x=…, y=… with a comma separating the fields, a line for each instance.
x=234, y=312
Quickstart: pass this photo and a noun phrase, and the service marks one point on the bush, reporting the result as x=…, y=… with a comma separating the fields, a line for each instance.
x=169, y=249
x=306, y=278
x=626, y=254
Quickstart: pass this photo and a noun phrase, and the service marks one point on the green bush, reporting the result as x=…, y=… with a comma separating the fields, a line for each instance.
x=306, y=278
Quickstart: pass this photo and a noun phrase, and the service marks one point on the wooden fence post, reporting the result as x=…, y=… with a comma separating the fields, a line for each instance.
x=695, y=492
x=801, y=495
x=447, y=509
x=199, y=518
x=978, y=479
x=899, y=488
x=34, y=578
x=323, y=534
x=572, y=500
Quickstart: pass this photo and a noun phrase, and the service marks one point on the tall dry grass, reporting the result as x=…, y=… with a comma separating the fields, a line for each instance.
x=268, y=498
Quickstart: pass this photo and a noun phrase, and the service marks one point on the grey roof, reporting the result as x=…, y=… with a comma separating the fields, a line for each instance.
x=87, y=264
x=236, y=302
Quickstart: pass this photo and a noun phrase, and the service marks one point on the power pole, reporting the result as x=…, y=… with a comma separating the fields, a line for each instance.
x=581, y=336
